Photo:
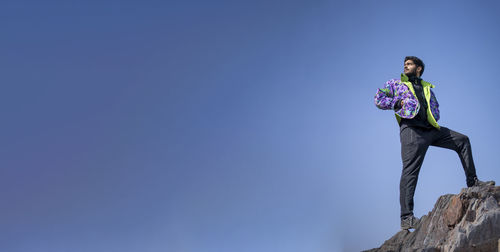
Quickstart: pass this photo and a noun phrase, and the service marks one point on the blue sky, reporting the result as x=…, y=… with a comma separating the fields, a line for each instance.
x=200, y=126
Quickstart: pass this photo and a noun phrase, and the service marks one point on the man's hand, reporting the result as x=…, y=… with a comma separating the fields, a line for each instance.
x=398, y=105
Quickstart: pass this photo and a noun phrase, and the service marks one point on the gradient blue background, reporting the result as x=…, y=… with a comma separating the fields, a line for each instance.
x=214, y=126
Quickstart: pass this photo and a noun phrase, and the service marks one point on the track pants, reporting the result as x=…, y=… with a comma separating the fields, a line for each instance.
x=414, y=144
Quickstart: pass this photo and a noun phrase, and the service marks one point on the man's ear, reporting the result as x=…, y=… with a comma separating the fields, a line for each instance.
x=419, y=70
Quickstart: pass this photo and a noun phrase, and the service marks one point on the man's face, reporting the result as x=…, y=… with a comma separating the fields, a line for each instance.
x=410, y=69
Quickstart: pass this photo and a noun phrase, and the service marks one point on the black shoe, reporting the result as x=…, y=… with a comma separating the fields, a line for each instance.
x=409, y=222
x=478, y=182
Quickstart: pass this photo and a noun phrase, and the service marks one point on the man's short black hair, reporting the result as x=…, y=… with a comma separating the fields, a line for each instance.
x=417, y=62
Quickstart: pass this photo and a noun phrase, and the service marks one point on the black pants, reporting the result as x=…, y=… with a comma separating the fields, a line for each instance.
x=414, y=144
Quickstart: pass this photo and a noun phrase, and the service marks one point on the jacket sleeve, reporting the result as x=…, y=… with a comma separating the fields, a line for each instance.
x=410, y=106
x=434, y=106
x=384, y=98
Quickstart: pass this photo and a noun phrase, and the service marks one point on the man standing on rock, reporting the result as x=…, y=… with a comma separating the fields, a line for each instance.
x=417, y=113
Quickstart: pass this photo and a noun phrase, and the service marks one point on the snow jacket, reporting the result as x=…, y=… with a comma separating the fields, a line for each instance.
x=402, y=89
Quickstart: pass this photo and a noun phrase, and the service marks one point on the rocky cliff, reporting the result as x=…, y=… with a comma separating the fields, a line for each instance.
x=469, y=221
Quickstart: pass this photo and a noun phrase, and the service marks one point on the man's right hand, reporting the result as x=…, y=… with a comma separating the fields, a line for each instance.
x=398, y=105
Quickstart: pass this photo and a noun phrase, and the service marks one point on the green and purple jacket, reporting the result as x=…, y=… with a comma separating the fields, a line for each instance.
x=402, y=89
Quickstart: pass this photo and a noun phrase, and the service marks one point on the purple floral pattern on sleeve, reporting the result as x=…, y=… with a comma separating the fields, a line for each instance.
x=434, y=106
x=384, y=97
x=393, y=91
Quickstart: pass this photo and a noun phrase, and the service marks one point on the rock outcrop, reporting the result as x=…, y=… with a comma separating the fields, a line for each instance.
x=469, y=221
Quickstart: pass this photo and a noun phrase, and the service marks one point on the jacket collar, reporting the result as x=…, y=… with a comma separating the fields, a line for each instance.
x=404, y=78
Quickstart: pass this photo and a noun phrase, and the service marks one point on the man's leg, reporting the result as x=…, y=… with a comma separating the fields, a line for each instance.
x=414, y=145
x=460, y=143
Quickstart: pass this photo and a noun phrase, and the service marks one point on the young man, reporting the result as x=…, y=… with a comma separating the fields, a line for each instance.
x=417, y=112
